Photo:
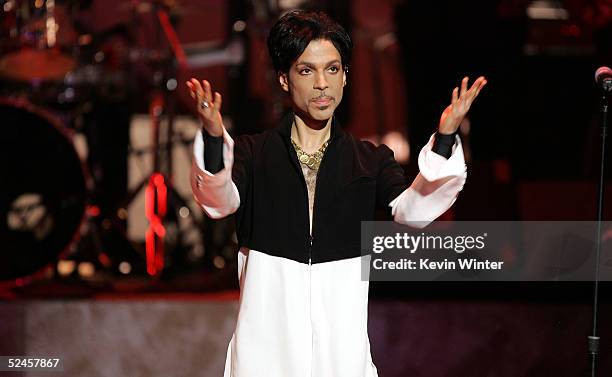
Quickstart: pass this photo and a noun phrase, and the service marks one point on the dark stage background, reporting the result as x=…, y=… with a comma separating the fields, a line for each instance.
x=531, y=142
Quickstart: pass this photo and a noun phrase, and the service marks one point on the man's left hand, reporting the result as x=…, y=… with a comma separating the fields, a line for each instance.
x=460, y=105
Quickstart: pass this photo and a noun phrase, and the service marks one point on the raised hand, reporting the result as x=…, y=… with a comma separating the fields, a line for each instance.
x=460, y=105
x=209, y=108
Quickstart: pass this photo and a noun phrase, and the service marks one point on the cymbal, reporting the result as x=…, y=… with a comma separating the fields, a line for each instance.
x=146, y=6
x=31, y=64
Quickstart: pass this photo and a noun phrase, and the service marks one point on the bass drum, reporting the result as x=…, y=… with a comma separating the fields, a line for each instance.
x=44, y=189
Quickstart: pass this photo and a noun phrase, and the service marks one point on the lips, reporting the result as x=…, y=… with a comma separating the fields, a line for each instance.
x=323, y=101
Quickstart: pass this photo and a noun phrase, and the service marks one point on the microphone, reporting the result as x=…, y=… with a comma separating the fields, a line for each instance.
x=603, y=78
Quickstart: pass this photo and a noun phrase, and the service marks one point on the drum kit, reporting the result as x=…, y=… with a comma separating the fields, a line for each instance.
x=45, y=191
x=50, y=77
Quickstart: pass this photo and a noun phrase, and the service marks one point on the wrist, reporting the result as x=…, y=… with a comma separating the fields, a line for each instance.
x=446, y=132
x=449, y=126
x=448, y=129
x=215, y=134
x=211, y=130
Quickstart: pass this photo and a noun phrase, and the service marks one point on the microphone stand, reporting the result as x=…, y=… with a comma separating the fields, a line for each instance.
x=593, y=339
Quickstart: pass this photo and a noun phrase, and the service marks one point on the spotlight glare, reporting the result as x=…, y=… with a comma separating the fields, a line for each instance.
x=125, y=268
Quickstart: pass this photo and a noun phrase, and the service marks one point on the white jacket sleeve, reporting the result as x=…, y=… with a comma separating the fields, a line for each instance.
x=435, y=188
x=215, y=193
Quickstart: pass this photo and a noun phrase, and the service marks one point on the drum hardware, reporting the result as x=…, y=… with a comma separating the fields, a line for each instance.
x=46, y=210
x=41, y=222
x=162, y=201
x=205, y=55
x=44, y=201
x=31, y=219
x=40, y=35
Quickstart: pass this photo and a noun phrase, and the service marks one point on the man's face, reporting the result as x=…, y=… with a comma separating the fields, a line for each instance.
x=315, y=81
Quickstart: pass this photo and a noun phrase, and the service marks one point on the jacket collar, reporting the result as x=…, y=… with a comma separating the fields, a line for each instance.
x=287, y=122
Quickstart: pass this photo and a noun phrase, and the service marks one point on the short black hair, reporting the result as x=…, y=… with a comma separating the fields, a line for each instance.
x=292, y=33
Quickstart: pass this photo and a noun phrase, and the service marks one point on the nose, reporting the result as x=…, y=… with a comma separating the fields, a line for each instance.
x=320, y=82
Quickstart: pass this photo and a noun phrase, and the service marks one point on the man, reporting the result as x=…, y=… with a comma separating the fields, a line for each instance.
x=300, y=192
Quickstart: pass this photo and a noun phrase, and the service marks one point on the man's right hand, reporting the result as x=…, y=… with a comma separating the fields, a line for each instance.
x=209, y=108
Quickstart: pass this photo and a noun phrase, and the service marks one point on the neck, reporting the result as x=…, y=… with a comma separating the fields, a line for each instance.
x=310, y=135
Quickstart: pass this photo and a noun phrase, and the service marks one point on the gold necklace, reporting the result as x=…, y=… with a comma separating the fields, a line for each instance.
x=313, y=161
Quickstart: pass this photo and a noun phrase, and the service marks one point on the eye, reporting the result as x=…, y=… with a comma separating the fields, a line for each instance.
x=304, y=71
x=334, y=69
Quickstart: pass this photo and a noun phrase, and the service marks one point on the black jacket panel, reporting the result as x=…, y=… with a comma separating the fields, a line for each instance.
x=353, y=179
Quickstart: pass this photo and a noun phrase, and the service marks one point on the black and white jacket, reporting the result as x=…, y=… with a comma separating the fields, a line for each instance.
x=303, y=306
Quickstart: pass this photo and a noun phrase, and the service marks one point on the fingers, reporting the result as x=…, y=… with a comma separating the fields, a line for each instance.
x=464, y=83
x=218, y=101
x=474, y=90
x=477, y=84
x=207, y=91
x=203, y=91
x=192, y=90
x=195, y=89
x=476, y=87
x=482, y=84
x=455, y=96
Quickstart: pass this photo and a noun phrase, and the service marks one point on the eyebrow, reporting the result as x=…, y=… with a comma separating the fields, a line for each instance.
x=308, y=64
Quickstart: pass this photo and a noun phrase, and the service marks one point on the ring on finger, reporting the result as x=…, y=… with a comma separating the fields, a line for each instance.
x=204, y=104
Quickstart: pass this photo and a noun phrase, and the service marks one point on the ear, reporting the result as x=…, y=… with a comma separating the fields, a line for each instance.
x=284, y=81
x=343, y=78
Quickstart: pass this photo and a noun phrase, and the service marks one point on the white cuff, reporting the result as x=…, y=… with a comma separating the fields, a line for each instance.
x=435, y=188
x=216, y=193
x=433, y=166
